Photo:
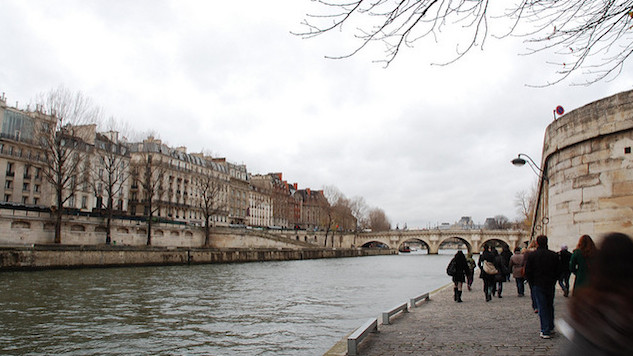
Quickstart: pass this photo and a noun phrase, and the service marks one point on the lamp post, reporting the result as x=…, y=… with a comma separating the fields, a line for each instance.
x=519, y=162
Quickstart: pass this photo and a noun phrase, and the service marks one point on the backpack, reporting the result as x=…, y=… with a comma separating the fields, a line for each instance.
x=451, y=270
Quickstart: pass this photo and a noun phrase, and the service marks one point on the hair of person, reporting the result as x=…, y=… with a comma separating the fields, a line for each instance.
x=459, y=256
x=541, y=241
x=517, y=249
x=586, y=246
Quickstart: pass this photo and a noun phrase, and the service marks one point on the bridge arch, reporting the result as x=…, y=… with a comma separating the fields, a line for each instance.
x=455, y=240
x=414, y=243
x=375, y=244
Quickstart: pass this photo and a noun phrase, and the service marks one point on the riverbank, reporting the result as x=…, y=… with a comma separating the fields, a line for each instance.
x=503, y=326
x=38, y=257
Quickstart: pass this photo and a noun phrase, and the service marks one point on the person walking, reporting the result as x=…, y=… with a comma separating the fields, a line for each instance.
x=516, y=265
x=564, y=256
x=502, y=273
x=458, y=269
x=530, y=248
x=488, y=271
x=580, y=261
x=505, y=252
x=542, y=270
x=471, y=270
x=600, y=314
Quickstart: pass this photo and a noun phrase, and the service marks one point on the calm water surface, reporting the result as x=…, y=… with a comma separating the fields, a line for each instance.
x=267, y=308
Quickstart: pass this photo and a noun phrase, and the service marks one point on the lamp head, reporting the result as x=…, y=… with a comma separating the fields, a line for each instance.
x=518, y=162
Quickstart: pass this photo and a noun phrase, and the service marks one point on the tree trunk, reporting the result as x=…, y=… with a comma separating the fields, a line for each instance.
x=109, y=222
x=149, y=230
x=207, y=233
x=58, y=218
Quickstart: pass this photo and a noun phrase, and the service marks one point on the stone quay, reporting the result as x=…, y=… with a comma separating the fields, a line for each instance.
x=440, y=326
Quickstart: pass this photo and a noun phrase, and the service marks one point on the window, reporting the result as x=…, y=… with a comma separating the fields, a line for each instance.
x=25, y=187
x=25, y=200
x=71, y=201
x=10, y=168
x=8, y=184
x=35, y=201
x=36, y=188
x=84, y=202
x=37, y=172
x=627, y=150
x=7, y=197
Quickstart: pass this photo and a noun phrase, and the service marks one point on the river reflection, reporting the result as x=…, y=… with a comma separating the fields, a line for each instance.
x=266, y=308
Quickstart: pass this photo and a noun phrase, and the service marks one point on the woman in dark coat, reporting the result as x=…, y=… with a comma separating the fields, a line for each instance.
x=459, y=274
x=502, y=272
x=489, y=279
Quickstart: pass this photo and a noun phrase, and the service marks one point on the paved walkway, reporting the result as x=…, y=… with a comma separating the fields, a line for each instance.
x=440, y=326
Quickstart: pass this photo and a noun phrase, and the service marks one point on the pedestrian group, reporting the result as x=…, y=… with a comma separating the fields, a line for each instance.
x=600, y=318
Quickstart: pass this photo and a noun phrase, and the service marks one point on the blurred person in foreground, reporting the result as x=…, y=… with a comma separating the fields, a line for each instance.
x=601, y=313
x=541, y=270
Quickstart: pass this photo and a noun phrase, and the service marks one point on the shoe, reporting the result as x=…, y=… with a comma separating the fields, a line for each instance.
x=500, y=296
x=535, y=311
x=545, y=336
x=459, y=296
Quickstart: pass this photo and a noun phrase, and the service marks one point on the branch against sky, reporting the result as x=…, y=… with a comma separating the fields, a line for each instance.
x=592, y=38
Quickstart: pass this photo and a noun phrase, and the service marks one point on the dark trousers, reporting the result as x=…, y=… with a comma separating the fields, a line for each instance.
x=563, y=282
x=520, y=285
x=544, y=297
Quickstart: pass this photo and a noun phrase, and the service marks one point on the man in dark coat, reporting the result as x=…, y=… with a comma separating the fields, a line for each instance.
x=563, y=280
x=542, y=270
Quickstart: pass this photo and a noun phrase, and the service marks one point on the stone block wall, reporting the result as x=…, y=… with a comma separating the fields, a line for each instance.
x=587, y=158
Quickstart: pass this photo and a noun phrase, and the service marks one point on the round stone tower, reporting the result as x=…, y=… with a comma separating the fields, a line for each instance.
x=587, y=159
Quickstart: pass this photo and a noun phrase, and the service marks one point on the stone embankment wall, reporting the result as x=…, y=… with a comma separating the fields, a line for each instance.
x=589, y=164
x=64, y=256
x=22, y=227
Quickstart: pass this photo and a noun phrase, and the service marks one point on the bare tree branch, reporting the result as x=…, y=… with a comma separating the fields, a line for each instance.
x=592, y=37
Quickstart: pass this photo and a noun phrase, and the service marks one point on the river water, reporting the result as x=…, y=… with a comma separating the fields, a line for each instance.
x=263, y=308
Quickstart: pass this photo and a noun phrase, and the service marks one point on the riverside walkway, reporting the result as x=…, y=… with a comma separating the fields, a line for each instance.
x=440, y=326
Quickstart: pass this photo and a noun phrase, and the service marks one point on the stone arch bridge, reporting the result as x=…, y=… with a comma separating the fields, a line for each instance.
x=433, y=239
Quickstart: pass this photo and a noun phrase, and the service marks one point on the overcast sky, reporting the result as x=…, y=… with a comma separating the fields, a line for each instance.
x=427, y=144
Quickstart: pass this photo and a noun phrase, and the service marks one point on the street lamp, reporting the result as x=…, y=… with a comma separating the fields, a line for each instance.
x=519, y=162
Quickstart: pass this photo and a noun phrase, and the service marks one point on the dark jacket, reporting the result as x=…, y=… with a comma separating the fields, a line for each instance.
x=461, y=270
x=564, y=256
x=542, y=268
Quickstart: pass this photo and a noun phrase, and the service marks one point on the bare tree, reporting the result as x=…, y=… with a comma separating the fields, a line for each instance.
x=499, y=222
x=525, y=202
x=212, y=201
x=378, y=220
x=109, y=174
x=359, y=209
x=150, y=173
x=584, y=35
x=62, y=145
